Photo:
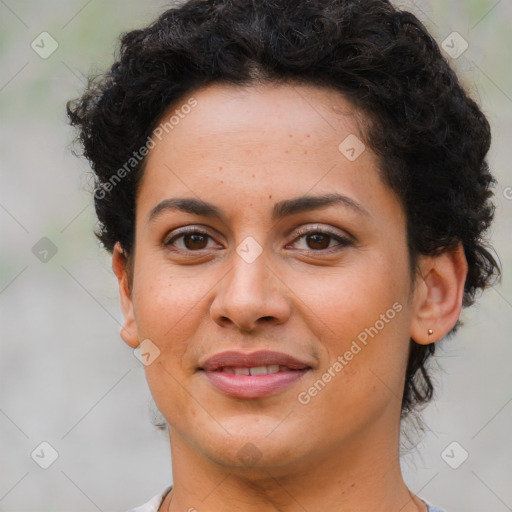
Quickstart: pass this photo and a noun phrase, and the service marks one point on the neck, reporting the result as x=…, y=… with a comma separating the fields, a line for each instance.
x=358, y=475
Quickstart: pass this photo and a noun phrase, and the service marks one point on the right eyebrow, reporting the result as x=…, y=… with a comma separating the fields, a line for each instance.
x=187, y=205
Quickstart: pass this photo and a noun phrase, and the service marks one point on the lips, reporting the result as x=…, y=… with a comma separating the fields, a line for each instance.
x=253, y=375
x=234, y=359
x=255, y=370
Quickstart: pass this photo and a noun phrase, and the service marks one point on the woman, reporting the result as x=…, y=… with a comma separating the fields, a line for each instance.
x=295, y=197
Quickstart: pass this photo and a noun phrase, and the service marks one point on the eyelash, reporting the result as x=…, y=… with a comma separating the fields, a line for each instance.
x=300, y=233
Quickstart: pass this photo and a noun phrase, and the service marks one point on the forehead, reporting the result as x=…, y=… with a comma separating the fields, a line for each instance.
x=255, y=125
x=240, y=145
x=258, y=109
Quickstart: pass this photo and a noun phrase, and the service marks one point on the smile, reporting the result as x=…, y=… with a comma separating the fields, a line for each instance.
x=255, y=370
x=253, y=375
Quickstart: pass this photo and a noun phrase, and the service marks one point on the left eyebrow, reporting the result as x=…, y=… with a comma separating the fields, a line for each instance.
x=307, y=203
x=281, y=209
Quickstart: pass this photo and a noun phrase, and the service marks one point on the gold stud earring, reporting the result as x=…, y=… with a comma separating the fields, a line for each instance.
x=430, y=332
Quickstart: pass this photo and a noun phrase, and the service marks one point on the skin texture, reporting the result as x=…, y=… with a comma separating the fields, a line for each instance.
x=245, y=149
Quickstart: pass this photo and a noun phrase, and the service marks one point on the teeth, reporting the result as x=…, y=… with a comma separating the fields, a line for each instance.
x=259, y=370
x=256, y=370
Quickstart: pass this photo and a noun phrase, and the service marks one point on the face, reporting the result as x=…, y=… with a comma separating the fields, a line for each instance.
x=237, y=276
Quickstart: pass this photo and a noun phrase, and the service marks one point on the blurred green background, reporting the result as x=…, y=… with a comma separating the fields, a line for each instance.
x=65, y=375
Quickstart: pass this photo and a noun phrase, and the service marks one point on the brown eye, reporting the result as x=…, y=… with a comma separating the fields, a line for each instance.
x=195, y=241
x=315, y=240
x=192, y=240
x=318, y=241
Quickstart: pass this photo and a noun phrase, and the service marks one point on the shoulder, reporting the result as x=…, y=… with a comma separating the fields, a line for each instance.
x=154, y=503
x=431, y=508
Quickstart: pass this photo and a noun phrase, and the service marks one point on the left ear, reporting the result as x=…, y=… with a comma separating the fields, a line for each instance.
x=438, y=294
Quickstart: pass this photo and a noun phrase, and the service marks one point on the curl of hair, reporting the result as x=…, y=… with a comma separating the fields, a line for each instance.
x=430, y=137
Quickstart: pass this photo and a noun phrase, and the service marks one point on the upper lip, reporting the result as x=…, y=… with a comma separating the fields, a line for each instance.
x=237, y=359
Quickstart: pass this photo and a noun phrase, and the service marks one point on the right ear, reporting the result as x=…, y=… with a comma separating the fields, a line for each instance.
x=119, y=266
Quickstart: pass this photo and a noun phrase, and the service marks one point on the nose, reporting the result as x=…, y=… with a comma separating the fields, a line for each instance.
x=250, y=295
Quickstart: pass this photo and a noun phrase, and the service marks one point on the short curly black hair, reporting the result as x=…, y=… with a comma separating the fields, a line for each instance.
x=430, y=137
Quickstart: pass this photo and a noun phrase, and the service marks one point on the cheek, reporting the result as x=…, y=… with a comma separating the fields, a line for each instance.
x=361, y=315
x=165, y=301
x=169, y=310
x=346, y=301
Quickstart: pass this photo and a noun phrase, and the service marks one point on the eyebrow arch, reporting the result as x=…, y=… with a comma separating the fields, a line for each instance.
x=281, y=209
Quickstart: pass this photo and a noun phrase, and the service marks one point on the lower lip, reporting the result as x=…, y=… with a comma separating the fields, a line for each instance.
x=253, y=386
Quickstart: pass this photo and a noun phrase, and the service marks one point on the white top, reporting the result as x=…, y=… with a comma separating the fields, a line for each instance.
x=154, y=503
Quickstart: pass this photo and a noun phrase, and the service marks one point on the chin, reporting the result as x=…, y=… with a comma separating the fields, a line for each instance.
x=254, y=445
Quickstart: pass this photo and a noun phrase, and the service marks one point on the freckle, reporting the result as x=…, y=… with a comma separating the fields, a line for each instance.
x=220, y=168
x=305, y=151
x=290, y=135
x=222, y=181
x=270, y=196
x=308, y=135
x=253, y=176
x=286, y=151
